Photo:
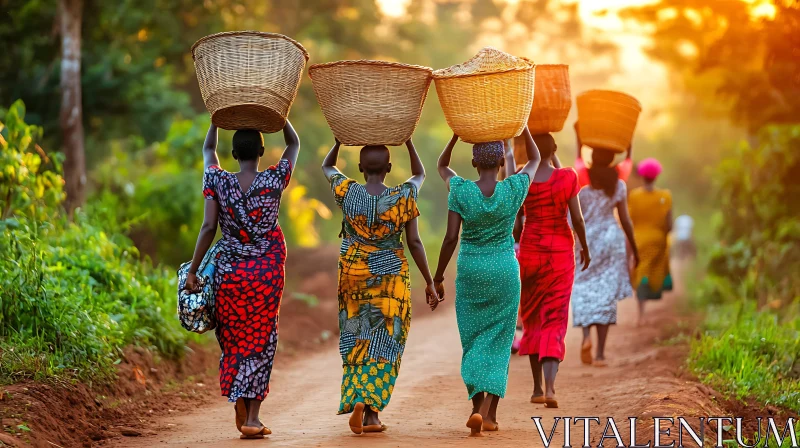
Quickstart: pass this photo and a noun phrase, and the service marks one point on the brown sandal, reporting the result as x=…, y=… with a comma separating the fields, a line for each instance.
x=374, y=428
x=486, y=426
x=357, y=419
x=538, y=399
x=550, y=403
x=475, y=424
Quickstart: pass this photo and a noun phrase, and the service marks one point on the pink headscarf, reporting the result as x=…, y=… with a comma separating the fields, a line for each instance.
x=649, y=168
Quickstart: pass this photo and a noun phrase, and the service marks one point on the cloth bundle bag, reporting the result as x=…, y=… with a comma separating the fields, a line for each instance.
x=196, y=310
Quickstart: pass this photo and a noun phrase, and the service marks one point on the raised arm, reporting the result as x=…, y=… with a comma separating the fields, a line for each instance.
x=292, y=144
x=448, y=247
x=329, y=164
x=627, y=226
x=534, y=158
x=511, y=163
x=417, y=170
x=556, y=160
x=443, y=165
x=579, y=227
x=414, y=243
x=210, y=147
x=578, y=142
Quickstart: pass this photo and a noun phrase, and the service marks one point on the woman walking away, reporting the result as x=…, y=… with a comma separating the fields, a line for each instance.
x=651, y=213
x=607, y=281
x=547, y=266
x=249, y=274
x=487, y=276
x=374, y=284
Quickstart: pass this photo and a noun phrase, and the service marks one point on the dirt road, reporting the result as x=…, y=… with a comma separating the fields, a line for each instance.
x=429, y=406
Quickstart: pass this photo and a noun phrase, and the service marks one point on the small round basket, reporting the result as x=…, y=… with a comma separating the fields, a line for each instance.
x=487, y=98
x=371, y=102
x=249, y=79
x=552, y=99
x=607, y=119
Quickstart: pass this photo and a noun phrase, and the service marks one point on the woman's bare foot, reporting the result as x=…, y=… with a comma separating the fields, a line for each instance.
x=475, y=424
x=371, y=421
x=600, y=363
x=586, y=351
x=538, y=399
x=489, y=425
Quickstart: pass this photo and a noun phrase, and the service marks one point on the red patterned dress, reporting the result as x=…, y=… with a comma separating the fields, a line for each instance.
x=547, y=265
x=249, y=277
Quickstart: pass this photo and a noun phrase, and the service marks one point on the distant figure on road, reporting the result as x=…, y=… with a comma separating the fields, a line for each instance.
x=487, y=276
x=651, y=213
x=250, y=266
x=374, y=281
x=547, y=266
x=682, y=238
x=607, y=281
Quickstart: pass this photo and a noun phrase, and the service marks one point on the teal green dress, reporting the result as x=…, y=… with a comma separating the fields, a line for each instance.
x=487, y=280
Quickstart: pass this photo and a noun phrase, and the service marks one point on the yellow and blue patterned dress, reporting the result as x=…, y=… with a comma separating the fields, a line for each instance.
x=374, y=289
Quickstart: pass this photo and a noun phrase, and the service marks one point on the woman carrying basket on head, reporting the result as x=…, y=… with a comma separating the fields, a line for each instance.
x=249, y=266
x=374, y=280
x=487, y=277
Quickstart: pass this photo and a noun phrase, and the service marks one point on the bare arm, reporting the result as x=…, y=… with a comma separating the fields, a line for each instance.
x=417, y=249
x=204, y=239
x=329, y=164
x=443, y=165
x=556, y=161
x=627, y=226
x=210, y=148
x=518, y=225
x=511, y=162
x=533, y=154
x=448, y=247
x=578, y=142
x=292, y=144
x=669, y=222
x=579, y=227
x=417, y=169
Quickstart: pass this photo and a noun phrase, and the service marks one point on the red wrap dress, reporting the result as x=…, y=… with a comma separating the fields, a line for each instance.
x=547, y=265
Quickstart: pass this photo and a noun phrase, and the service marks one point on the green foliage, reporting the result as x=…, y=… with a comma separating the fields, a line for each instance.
x=73, y=293
x=751, y=354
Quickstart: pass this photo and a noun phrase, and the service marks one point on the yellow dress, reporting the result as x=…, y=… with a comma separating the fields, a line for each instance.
x=374, y=290
x=649, y=211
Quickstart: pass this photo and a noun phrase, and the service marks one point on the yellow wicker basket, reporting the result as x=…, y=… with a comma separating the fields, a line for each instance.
x=607, y=119
x=371, y=102
x=487, y=98
x=552, y=99
x=249, y=79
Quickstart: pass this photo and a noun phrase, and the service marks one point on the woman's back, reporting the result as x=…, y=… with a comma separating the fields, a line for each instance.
x=598, y=207
x=649, y=210
x=488, y=221
x=546, y=205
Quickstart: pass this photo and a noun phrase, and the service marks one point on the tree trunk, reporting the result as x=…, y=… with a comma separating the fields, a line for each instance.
x=71, y=116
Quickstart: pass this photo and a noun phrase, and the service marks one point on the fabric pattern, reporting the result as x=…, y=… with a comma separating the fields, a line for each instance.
x=649, y=211
x=196, y=310
x=598, y=289
x=249, y=277
x=547, y=265
x=374, y=290
x=487, y=280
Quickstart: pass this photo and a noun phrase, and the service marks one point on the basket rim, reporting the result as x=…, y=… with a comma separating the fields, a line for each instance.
x=368, y=62
x=615, y=92
x=251, y=33
x=440, y=73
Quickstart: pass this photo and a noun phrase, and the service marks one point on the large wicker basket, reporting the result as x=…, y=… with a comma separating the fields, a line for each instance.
x=249, y=79
x=487, y=98
x=371, y=102
x=607, y=119
x=552, y=99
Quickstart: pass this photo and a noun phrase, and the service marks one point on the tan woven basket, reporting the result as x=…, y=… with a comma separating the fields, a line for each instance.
x=371, y=102
x=552, y=99
x=487, y=98
x=249, y=79
x=607, y=119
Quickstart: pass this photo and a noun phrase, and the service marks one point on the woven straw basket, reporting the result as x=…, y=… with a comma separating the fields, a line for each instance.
x=552, y=99
x=249, y=79
x=607, y=119
x=371, y=102
x=487, y=98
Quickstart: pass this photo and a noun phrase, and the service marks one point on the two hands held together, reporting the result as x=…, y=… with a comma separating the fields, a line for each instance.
x=434, y=293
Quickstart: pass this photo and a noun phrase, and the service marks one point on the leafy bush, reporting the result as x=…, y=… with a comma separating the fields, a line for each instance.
x=73, y=292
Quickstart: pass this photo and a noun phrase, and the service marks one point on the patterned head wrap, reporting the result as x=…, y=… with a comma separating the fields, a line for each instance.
x=488, y=154
x=649, y=168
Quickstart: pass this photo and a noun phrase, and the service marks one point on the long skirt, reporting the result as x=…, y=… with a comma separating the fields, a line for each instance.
x=487, y=302
x=374, y=320
x=248, y=301
x=544, y=306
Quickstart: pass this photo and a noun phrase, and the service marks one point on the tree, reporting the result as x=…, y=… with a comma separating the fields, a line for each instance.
x=71, y=116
